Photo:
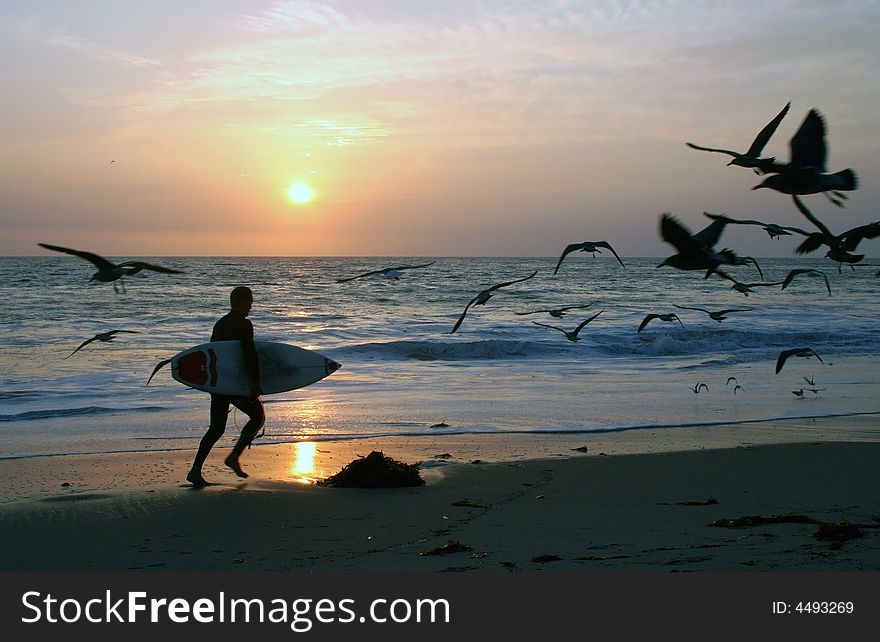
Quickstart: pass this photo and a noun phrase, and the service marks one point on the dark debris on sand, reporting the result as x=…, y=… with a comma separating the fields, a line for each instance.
x=837, y=532
x=748, y=521
x=375, y=471
x=452, y=546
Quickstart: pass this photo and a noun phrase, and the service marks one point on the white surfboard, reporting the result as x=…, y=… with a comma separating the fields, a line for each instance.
x=218, y=367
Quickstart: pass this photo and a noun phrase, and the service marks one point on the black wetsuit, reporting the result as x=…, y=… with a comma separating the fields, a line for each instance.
x=234, y=326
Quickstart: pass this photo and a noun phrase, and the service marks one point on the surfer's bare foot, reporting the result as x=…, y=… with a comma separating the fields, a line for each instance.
x=195, y=478
x=232, y=462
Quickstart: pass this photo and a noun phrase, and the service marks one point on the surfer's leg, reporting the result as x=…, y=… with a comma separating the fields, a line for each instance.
x=256, y=418
x=219, y=412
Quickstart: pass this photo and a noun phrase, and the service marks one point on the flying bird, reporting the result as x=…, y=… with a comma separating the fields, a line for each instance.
x=805, y=172
x=700, y=386
x=556, y=313
x=735, y=388
x=695, y=251
x=101, y=336
x=717, y=315
x=814, y=273
x=841, y=246
x=729, y=379
x=573, y=334
x=389, y=272
x=773, y=229
x=751, y=158
x=795, y=352
x=746, y=288
x=587, y=246
x=484, y=296
x=110, y=272
x=662, y=317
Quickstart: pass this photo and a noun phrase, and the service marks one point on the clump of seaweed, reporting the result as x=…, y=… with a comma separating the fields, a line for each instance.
x=452, y=546
x=376, y=470
x=748, y=521
x=837, y=531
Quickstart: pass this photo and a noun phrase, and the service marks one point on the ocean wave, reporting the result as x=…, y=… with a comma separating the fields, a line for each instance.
x=75, y=412
x=449, y=350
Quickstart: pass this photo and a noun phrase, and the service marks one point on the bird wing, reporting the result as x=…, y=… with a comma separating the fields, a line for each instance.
x=677, y=319
x=547, y=325
x=713, y=149
x=506, y=283
x=685, y=307
x=783, y=357
x=816, y=355
x=137, y=266
x=709, y=235
x=851, y=238
x=409, y=267
x=677, y=235
x=572, y=307
x=648, y=318
x=359, y=276
x=606, y=244
x=532, y=312
x=99, y=261
x=790, y=276
x=568, y=250
x=810, y=217
x=812, y=243
x=808, y=144
x=753, y=261
x=734, y=221
x=584, y=323
x=765, y=134
x=82, y=345
x=463, y=314
x=728, y=311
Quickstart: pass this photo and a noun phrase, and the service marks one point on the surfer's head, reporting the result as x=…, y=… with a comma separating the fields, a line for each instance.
x=241, y=299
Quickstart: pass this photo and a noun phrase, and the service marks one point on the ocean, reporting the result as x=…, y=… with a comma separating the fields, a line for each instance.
x=403, y=372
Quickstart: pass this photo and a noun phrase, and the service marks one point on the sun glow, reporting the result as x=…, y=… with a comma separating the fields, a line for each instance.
x=300, y=193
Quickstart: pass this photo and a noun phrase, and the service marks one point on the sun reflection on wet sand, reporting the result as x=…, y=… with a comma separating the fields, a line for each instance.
x=303, y=467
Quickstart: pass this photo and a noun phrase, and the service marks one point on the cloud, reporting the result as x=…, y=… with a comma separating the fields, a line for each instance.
x=102, y=52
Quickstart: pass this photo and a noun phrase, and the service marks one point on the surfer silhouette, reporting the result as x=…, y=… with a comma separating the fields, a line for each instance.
x=233, y=326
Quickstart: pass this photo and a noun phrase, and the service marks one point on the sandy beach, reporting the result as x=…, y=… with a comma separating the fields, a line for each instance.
x=642, y=500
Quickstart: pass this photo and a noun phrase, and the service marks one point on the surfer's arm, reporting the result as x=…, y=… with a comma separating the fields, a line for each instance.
x=249, y=353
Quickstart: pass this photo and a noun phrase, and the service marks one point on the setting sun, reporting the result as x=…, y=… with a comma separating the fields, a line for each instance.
x=300, y=193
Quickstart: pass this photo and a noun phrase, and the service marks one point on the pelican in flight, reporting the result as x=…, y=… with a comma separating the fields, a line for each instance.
x=485, y=295
x=813, y=273
x=662, y=317
x=101, y=336
x=587, y=246
x=805, y=172
x=716, y=315
x=573, y=334
x=795, y=352
x=389, y=272
x=751, y=158
x=111, y=272
x=556, y=313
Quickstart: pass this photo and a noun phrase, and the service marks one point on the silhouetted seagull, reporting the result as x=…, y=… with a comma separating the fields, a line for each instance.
x=774, y=230
x=795, y=352
x=587, y=246
x=389, y=272
x=484, y=296
x=729, y=379
x=110, y=272
x=101, y=336
x=700, y=386
x=746, y=288
x=717, y=315
x=813, y=273
x=840, y=246
x=556, y=313
x=805, y=172
x=695, y=251
x=751, y=157
x=572, y=335
x=662, y=317
x=735, y=388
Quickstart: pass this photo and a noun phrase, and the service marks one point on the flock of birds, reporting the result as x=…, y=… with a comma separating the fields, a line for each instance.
x=805, y=173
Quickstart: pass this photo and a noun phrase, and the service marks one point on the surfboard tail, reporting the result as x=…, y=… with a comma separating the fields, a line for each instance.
x=161, y=365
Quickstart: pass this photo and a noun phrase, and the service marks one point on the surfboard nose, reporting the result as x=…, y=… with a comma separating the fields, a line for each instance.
x=331, y=366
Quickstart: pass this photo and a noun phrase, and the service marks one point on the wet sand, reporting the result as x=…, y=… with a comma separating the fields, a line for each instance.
x=635, y=500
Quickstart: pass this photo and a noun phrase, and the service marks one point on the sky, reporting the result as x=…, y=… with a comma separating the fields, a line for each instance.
x=455, y=128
